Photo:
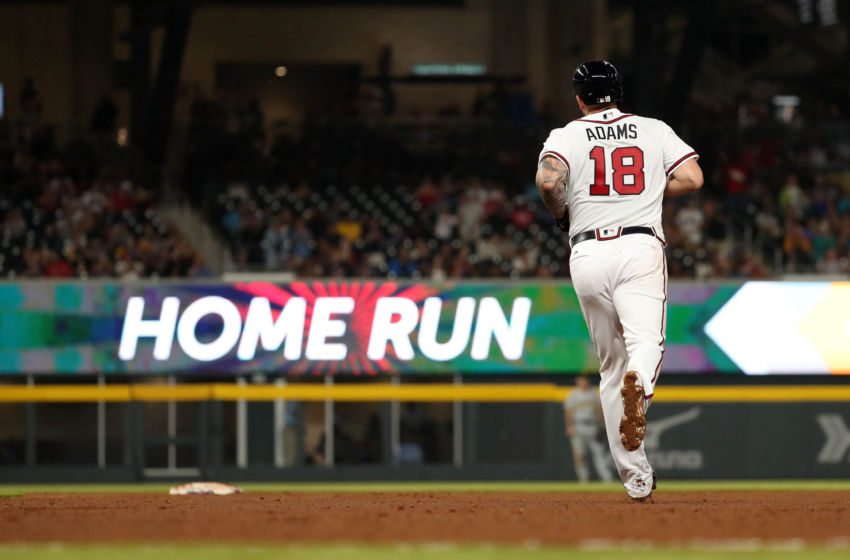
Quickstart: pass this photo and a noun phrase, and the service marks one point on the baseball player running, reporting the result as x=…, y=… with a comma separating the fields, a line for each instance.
x=603, y=177
x=583, y=419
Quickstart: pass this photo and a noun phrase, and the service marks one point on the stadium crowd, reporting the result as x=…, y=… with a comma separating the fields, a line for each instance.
x=81, y=209
x=349, y=201
x=447, y=196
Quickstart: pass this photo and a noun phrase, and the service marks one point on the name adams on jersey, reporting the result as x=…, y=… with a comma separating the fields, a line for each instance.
x=618, y=166
x=625, y=131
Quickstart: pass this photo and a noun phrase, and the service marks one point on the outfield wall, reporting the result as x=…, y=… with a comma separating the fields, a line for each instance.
x=487, y=432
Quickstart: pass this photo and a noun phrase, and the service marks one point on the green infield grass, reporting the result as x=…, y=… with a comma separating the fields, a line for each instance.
x=441, y=551
x=664, y=486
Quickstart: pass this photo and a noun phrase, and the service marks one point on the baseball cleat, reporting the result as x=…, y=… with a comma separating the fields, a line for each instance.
x=648, y=498
x=633, y=423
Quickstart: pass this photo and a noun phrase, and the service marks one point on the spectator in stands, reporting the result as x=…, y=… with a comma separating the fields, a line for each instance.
x=421, y=201
x=830, y=264
x=792, y=201
x=797, y=245
x=57, y=225
x=690, y=220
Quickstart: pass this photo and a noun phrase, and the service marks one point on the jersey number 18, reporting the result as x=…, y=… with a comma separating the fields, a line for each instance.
x=628, y=171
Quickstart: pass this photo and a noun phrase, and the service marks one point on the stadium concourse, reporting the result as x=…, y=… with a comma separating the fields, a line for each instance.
x=426, y=197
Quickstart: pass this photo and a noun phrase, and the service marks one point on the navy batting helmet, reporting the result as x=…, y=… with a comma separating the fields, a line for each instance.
x=597, y=82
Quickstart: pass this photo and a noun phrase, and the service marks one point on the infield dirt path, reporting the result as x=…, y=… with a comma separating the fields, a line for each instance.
x=432, y=516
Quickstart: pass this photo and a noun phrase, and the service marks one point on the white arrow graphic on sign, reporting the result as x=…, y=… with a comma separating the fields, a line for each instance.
x=757, y=328
x=837, y=438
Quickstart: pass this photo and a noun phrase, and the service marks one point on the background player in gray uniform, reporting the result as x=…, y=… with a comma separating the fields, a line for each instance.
x=583, y=418
x=603, y=178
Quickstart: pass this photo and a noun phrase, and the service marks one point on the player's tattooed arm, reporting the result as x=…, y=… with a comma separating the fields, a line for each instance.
x=552, y=183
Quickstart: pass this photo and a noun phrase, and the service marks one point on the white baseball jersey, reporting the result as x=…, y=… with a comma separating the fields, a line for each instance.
x=618, y=167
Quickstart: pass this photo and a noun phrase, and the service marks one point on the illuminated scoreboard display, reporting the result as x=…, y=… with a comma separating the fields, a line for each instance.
x=369, y=328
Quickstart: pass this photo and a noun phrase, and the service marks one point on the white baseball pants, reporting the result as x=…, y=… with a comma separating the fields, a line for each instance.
x=621, y=285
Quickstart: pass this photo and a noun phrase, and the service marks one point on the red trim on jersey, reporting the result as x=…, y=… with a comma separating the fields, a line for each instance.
x=606, y=122
x=680, y=162
x=646, y=398
x=557, y=155
x=663, y=321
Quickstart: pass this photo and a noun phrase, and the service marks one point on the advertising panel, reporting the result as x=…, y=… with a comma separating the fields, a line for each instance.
x=786, y=327
x=691, y=440
x=369, y=327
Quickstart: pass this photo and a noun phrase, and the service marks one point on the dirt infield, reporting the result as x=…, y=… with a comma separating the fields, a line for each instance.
x=548, y=518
